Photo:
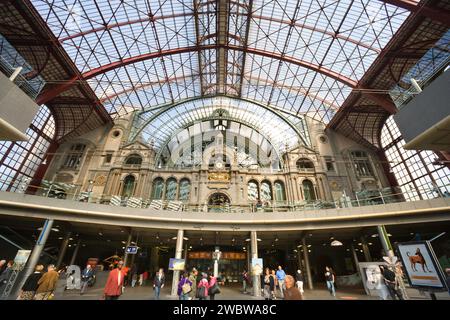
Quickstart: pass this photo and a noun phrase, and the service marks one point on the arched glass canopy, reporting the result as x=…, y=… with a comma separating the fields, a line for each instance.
x=303, y=56
x=179, y=122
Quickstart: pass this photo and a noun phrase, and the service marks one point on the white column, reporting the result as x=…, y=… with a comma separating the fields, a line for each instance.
x=178, y=254
x=256, y=278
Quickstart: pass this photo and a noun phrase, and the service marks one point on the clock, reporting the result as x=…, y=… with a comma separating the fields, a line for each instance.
x=219, y=165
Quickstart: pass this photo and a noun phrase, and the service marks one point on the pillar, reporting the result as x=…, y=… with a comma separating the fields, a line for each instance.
x=178, y=254
x=366, y=250
x=33, y=259
x=75, y=253
x=185, y=253
x=63, y=249
x=355, y=257
x=308, y=268
x=254, y=250
x=387, y=247
x=125, y=258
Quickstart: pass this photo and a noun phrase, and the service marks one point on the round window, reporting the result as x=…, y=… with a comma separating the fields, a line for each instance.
x=323, y=139
x=116, y=133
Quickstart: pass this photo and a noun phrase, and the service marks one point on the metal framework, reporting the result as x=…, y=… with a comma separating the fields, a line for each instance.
x=136, y=54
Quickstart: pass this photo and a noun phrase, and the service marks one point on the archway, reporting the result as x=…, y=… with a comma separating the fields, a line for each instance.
x=218, y=202
x=128, y=186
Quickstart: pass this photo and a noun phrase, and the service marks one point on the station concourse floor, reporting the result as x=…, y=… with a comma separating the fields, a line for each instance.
x=229, y=292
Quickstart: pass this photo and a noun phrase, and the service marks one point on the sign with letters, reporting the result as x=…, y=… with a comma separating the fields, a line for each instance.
x=131, y=250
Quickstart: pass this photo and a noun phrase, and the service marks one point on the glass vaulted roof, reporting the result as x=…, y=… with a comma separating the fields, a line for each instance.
x=302, y=57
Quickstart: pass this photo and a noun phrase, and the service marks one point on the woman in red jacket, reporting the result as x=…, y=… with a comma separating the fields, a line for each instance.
x=114, y=284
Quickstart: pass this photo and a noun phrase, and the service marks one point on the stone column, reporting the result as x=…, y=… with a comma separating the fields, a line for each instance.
x=256, y=278
x=355, y=257
x=33, y=259
x=63, y=249
x=366, y=250
x=308, y=268
x=178, y=254
x=75, y=253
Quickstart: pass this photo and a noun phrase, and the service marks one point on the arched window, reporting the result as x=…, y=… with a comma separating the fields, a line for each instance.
x=128, y=186
x=134, y=159
x=280, y=194
x=157, y=189
x=185, y=189
x=308, y=190
x=171, y=189
x=252, y=190
x=305, y=164
x=266, y=191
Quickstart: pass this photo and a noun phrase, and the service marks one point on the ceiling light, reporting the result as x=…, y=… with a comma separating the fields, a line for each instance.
x=100, y=234
x=123, y=248
x=336, y=243
x=359, y=244
x=324, y=244
x=375, y=235
x=174, y=238
x=348, y=249
x=108, y=240
x=70, y=238
x=310, y=234
x=295, y=250
x=53, y=229
x=276, y=239
x=69, y=245
x=122, y=231
x=124, y=242
x=411, y=233
x=60, y=238
x=370, y=243
x=309, y=245
x=331, y=238
x=309, y=250
x=185, y=238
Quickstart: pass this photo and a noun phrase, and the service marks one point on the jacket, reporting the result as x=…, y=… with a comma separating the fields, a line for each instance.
x=47, y=282
x=157, y=282
x=281, y=274
x=87, y=275
x=292, y=294
x=31, y=284
x=193, y=279
x=204, y=283
x=180, y=285
x=299, y=277
x=113, y=285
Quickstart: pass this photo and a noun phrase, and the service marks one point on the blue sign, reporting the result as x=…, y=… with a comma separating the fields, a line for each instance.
x=131, y=250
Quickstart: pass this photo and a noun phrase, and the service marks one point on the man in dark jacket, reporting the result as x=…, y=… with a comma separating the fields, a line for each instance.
x=31, y=284
x=86, y=277
x=4, y=277
x=391, y=282
x=158, y=282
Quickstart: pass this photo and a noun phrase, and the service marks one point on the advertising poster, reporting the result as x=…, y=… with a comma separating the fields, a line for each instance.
x=420, y=266
x=257, y=266
x=176, y=264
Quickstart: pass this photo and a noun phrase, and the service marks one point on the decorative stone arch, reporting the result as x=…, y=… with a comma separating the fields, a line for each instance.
x=307, y=158
x=211, y=193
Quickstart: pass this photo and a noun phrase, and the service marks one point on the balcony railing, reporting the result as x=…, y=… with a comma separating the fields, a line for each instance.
x=71, y=192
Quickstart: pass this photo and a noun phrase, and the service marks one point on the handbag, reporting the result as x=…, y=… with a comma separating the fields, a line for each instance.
x=215, y=289
x=186, y=288
x=201, y=293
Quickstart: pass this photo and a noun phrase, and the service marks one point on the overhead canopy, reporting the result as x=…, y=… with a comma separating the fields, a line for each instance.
x=302, y=56
x=159, y=125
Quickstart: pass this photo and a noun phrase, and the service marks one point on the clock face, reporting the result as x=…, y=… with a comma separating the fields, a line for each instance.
x=219, y=165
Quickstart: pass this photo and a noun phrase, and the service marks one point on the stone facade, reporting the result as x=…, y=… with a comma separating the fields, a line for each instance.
x=327, y=165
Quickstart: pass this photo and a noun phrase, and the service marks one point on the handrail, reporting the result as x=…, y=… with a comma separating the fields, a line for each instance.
x=384, y=196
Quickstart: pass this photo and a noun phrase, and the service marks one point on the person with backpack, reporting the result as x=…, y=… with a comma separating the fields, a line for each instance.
x=202, y=287
x=391, y=282
x=184, y=287
x=213, y=287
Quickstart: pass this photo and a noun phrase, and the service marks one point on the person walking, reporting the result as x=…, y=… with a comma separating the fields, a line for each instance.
x=202, y=288
x=245, y=281
x=86, y=277
x=213, y=286
x=268, y=285
x=391, y=282
x=275, y=283
x=47, y=284
x=6, y=274
x=158, y=282
x=114, y=285
x=184, y=287
x=291, y=292
x=31, y=284
x=300, y=279
x=330, y=279
x=281, y=275
x=193, y=279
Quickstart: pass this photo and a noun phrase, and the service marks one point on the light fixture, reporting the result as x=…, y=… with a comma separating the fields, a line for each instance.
x=324, y=244
x=295, y=250
x=108, y=240
x=100, y=233
x=309, y=250
x=124, y=242
x=359, y=244
x=123, y=248
x=122, y=231
x=69, y=245
x=370, y=243
x=60, y=238
x=70, y=239
x=53, y=229
x=309, y=245
x=157, y=236
x=310, y=234
x=336, y=243
x=331, y=238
